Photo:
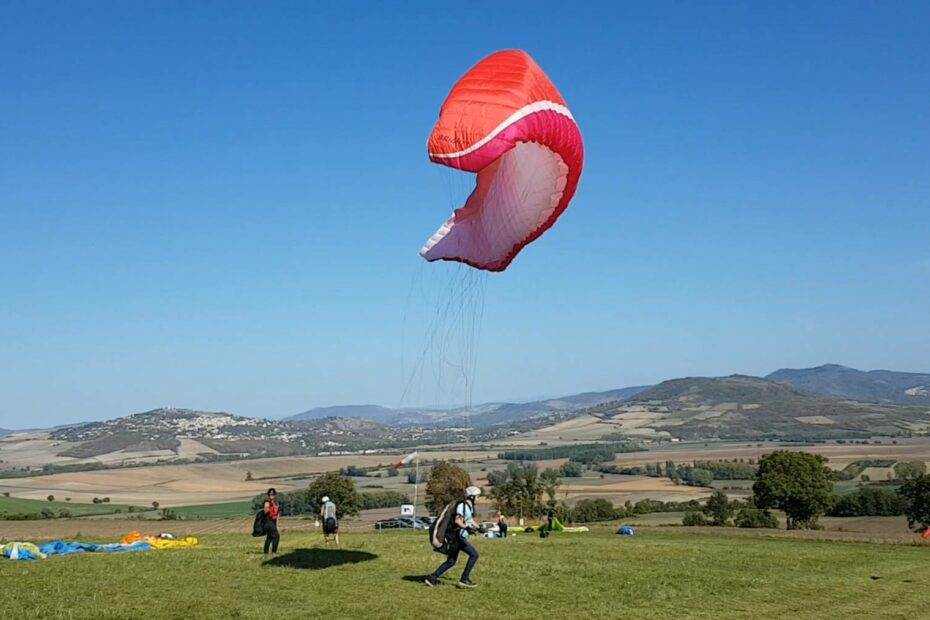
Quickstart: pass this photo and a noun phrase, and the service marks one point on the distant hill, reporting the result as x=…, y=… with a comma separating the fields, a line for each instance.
x=7, y=431
x=588, y=399
x=746, y=407
x=186, y=433
x=819, y=403
x=169, y=435
x=508, y=413
x=715, y=390
x=375, y=413
x=481, y=416
x=161, y=430
x=878, y=386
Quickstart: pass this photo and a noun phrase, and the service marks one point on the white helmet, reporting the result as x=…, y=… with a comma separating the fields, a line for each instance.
x=325, y=498
x=472, y=492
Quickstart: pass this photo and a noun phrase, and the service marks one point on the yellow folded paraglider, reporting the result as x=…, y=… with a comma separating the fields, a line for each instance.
x=556, y=527
x=21, y=551
x=158, y=542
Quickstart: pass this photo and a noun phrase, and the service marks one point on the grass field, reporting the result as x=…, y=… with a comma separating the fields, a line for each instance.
x=598, y=575
x=16, y=505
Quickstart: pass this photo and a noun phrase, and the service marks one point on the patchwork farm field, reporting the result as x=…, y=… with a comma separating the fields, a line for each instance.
x=174, y=486
x=656, y=574
x=207, y=483
x=15, y=505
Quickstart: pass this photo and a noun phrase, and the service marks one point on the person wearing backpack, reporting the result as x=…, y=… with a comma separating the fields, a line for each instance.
x=501, y=526
x=266, y=525
x=457, y=533
x=275, y=506
x=330, y=521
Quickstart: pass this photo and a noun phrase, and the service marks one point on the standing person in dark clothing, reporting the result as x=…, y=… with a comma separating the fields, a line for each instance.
x=549, y=517
x=269, y=527
x=502, y=526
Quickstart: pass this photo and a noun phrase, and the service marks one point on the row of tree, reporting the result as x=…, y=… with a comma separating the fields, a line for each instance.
x=903, y=470
x=720, y=510
x=382, y=499
x=581, y=453
x=522, y=490
x=45, y=513
x=698, y=473
x=909, y=470
x=797, y=483
x=869, y=501
x=801, y=486
x=593, y=510
x=96, y=500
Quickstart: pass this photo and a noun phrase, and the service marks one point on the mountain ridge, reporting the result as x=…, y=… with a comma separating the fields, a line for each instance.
x=484, y=415
x=902, y=388
x=817, y=388
x=685, y=409
x=746, y=407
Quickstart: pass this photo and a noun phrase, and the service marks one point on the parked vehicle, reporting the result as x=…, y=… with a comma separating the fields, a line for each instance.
x=418, y=523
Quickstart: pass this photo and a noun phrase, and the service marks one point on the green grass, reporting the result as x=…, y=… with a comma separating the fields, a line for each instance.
x=216, y=511
x=598, y=575
x=16, y=505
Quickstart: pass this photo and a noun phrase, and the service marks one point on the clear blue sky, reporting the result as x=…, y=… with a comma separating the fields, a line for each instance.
x=219, y=205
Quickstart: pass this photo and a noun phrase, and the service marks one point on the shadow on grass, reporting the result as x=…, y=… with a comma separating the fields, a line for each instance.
x=446, y=579
x=415, y=578
x=320, y=558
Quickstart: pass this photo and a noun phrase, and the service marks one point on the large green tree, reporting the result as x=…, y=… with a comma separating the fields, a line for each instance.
x=571, y=469
x=339, y=489
x=916, y=492
x=751, y=517
x=719, y=508
x=908, y=470
x=591, y=510
x=522, y=491
x=550, y=481
x=798, y=483
x=701, y=477
x=447, y=483
x=496, y=477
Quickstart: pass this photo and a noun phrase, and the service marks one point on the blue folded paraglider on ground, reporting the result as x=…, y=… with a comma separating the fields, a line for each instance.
x=28, y=551
x=59, y=547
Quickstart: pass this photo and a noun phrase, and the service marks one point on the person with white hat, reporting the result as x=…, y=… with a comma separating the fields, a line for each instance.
x=330, y=520
x=463, y=525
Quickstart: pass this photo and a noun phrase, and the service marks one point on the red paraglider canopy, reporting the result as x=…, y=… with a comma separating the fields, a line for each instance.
x=506, y=121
